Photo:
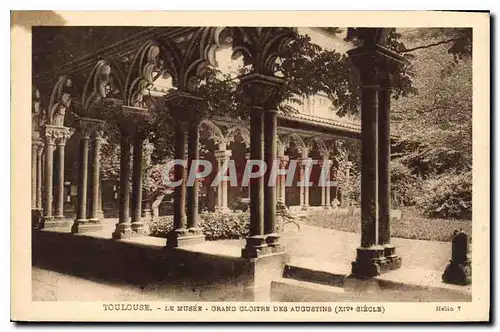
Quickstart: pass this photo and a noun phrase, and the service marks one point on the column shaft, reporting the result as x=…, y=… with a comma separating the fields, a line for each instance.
x=81, y=216
x=255, y=245
x=137, y=185
x=95, y=178
x=307, y=170
x=369, y=154
x=179, y=174
x=192, y=191
x=60, y=183
x=384, y=150
x=257, y=184
x=124, y=196
x=34, y=169
x=301, y=186
x=49, y=159
x=328, y=189
x=270, y=153
x=39, y=178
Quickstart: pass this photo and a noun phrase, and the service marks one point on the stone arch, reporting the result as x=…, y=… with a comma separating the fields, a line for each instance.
x=319, y=144
x=299, y=142
x=215, y=133
x=243, y=131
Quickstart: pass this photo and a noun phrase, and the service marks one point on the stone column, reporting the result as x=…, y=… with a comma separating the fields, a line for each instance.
x=255, y=244
x=305, y=168
x=326, y=189
x=369, y=255
x=301, y=187
x=283, y=163
x=179, y=191
x=263, y=94
x=123, y=228
x=384, y=175
x=48, y=179
x=59, y=208
x=270, y=153
x=247, y=158
x=193, y=226
x=185, y=110
x=39, y=176
x=53, y=135
x=100, y=212
x=95, y=200
x=222, y=156
x=34, y=154
x=137, y=226
x=81, y=222
x=373, y=61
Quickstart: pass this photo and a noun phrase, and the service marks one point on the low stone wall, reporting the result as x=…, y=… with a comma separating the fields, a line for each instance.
x=215, y=277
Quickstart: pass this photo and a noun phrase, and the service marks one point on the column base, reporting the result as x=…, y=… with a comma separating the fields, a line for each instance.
x=123, y=231
x=272, y=241
x=50, y=222
x=195, y=231
x=138, y=228
x=255, y=247
x=85, y=226
x=393, y=261
x=181, y=237
x=36, y=217
x=458, y=273
x=370, y=262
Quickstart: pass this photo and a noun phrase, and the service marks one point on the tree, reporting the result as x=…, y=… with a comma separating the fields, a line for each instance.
x=434, y=127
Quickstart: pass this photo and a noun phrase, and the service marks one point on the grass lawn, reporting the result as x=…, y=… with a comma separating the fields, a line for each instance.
x=411, y=226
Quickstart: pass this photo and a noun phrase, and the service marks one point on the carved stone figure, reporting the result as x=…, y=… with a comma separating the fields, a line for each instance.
x=36, y=111
x=58, y=117
x=60, y=102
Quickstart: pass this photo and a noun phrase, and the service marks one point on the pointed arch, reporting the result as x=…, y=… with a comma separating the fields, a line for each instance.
x=215, y=133
x=297, y=140
x=242, y=131
x=319, y=144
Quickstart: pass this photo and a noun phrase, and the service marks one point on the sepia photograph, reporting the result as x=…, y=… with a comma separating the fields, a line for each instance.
x=251, y=171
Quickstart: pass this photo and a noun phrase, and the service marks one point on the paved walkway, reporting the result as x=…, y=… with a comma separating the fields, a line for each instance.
x=324, y=246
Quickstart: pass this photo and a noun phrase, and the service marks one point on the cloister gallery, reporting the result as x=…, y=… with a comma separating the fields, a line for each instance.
x=114, y=82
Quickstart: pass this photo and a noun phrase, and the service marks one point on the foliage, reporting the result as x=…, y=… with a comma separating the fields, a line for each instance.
x=448, y=196
x=434, y=129
x=412, y=224
x=215, y=225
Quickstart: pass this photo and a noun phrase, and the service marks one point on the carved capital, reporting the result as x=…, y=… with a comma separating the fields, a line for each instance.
x=134, y=121
x=56, y=134
x=283, y=161
x=184, y=107
x=90, y=127
x=37, y=142
x=374, y=62
x=262, y=91
x=305, y=163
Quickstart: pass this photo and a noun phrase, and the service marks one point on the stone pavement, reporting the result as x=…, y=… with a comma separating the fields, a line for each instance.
x=324, y=246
